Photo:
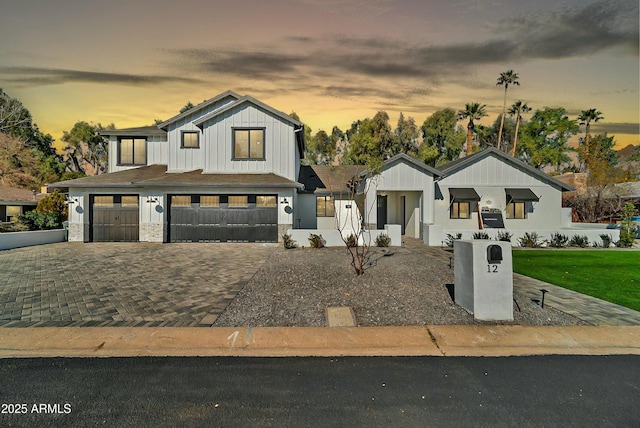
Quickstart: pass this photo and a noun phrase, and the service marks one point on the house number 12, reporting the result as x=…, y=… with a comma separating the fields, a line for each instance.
x=492, y=268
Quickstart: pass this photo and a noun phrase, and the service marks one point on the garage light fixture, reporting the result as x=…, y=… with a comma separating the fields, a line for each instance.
x=152, y=200
x=284, y=201
x=71, y=201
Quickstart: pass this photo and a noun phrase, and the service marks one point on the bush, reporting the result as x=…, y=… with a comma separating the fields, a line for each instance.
x=606, y=240
x=579, y=241
x=352, y=241
x=504, y=236
x=451, y=238
x=627, y=230
x=383, y=240
x=480, y=235
x=558, y=240
x=288, y=241
x=34, y=220
x=316, y=241
x=530, y=240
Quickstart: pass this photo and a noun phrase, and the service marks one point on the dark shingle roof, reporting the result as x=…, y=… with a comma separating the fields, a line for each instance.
x=157, y=176
x=142, y=131
x=19, y=196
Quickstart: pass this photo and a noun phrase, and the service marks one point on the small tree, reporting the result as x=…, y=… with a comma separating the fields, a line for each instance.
x=628, y=229
x=49, y=214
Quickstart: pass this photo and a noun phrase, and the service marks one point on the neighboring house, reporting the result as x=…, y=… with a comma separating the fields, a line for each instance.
x=223, y=171
x=228, y=170
x=16, y=201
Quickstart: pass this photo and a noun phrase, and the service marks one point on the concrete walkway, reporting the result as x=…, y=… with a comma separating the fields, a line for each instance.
x=589, y=309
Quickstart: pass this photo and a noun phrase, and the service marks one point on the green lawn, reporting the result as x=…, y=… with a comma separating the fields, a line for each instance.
x=610, y=275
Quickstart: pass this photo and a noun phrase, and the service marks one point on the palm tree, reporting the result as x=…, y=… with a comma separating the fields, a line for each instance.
x=473, y=111
x=517, y=109
x=506, y=78
x=585, y=118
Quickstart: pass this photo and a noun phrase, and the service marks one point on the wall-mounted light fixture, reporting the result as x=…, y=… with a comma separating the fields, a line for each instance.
x=71, y=201
x=285, y=202
x=152, y=200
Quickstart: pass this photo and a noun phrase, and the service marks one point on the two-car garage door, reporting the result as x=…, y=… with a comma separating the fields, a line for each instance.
x=223, y=218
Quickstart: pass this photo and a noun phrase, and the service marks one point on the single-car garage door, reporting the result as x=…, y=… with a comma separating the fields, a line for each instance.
x=115, y=218
x=223, y=218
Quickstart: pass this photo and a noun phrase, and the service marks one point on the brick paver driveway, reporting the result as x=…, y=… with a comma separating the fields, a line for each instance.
x=128, y=284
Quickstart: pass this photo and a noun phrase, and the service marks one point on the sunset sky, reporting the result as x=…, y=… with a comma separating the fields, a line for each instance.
x=331, y=61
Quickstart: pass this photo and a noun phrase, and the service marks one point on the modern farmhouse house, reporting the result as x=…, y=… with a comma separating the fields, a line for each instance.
x=228, y=170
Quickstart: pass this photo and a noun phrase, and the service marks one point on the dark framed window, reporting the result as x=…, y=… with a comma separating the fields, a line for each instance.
x=324, y=206
x=132, y=151
x=460, y=209
x=248, y=143
x=190, y=140
x=517, y=210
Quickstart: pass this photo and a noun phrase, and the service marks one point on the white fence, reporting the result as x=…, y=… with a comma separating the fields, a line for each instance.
x=333, y=239
x=11, y=240
x=591, y=231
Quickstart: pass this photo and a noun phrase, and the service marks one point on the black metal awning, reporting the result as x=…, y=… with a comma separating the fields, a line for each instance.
x=521, y=195
x=463, y=194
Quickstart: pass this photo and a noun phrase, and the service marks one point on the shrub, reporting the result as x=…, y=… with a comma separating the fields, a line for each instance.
x=504, y=236
x=480, y=235
x=451, y=238
x=316, y=241
x=53, y=203
x=627, y=230
x=352, y=241
x=579, y=241
x=530, y=240
x=383, y=240
x=606, y=240
x=558, y=240
x=34, y=220
x=288, y=241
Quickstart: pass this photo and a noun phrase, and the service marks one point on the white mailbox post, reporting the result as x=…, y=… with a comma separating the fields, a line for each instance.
x=483, y=273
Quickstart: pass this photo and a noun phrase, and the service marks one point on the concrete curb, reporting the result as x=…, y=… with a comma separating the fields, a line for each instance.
x=488, y=341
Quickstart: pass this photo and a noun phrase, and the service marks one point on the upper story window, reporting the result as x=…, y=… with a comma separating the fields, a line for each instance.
x=190, y=140
x=248, y=144
x=132, y=151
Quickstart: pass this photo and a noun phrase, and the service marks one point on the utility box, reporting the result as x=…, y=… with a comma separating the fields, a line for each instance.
x=483, y=273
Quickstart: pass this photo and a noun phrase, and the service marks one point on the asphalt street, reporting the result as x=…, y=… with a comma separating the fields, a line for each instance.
x=297, y=392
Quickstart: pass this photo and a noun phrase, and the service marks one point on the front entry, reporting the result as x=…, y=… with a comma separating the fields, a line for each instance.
x=382, y=211
x=115, y=218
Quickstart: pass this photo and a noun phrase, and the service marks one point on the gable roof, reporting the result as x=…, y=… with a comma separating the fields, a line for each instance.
x=328, y=178
x=200, y=106
x=244, y=100
x=157, y=176
x=404, y=158
x=462, y=163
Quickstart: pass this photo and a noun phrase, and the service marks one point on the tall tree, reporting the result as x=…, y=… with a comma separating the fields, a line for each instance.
x=472, y=111
x=544, y=138
x=585, y=118
x=405, y=136
x=19, y=165
x=441, y=133
x=516, y=110
x=188, y=106
x=506, y=78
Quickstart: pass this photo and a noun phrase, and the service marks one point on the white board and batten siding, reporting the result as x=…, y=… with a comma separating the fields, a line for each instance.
x=280, y=144
x=490, y=177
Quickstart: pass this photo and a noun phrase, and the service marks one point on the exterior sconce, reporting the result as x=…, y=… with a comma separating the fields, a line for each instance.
x=285, y=202
x=71, y=201
x=152, y=200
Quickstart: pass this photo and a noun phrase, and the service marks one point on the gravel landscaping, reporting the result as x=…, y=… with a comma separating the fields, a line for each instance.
x=401, y=287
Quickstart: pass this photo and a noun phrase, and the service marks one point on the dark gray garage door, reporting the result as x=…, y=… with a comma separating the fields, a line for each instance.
x=223, y=218
x=115, y=218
